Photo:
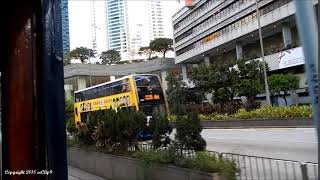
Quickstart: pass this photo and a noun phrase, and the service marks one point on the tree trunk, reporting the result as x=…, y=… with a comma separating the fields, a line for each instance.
x=285, y=99
x=231, y=96
x=164, y=54
x=283, y=96
x=202, y=109
x=149, y=56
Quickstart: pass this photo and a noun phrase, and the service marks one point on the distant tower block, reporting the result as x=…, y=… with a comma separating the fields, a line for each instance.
x=93, y=26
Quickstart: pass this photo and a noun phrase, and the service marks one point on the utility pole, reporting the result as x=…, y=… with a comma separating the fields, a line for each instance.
x=93, y=35
x=262, y=57
x=308, y=33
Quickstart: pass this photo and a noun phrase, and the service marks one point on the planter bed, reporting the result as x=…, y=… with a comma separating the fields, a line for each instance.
x=114, y=167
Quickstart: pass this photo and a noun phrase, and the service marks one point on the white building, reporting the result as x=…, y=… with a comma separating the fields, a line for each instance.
x=146, y=22
x=217, y=30
x=155, y=19
x=117, y=26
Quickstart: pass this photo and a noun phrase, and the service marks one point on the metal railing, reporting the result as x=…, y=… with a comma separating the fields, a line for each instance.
x=264, y=168
x=259, y=168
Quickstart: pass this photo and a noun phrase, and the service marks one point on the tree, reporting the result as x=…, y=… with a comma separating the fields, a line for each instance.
x=219, y=79
x=110, y=57
x=161, y=45
x=251, y=80
x=225, y=78
x=66, y=59
x=282, y=84
x=145, y=51
x=179, y=95
x=201, y=78
x=82, y=53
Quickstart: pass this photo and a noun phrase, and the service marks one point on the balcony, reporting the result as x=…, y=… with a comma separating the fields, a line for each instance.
x=196, y=19
x=267, y=19
x=235, y=12
x=182, y=11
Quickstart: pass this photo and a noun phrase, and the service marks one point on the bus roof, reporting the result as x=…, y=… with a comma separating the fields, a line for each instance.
x=119, y=79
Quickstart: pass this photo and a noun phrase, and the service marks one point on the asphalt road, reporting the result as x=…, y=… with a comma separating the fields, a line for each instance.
x=299, y=144
x=295, y=144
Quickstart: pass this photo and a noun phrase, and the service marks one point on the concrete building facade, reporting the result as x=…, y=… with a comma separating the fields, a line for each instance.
x=210, y=31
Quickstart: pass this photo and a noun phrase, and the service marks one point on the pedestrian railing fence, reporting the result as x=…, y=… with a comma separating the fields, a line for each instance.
x=261, y=168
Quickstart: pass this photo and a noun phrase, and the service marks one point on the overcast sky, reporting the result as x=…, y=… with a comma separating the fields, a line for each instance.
x=80, y=21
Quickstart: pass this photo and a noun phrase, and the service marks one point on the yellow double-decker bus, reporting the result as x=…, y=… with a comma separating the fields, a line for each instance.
x=141, y=92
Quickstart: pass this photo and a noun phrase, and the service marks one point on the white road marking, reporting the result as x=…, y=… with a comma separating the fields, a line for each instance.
x=248, y=139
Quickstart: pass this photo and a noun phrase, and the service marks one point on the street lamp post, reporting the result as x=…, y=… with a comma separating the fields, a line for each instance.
x=90, y=67
x=262, y=57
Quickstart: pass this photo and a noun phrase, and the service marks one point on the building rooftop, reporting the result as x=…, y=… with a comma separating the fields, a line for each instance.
x=80, y=69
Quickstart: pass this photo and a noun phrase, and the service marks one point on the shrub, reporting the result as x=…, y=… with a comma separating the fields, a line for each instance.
x=231, y=107
x=71, y=127
x=156, y=157
x=275, y=112
x=172, y=117
x=214, y=116
x=206, y=162
x=202, y=161
x=243, y=114
x=229, y=169
x=72, y=142
x=83, y=135
x=188, y=132
x=161, y=130
x=117, y=130
x=99, y=135
x=251, y=104
x=220, y=116
x=263, y=112
x=68, y=106
x=203, y=117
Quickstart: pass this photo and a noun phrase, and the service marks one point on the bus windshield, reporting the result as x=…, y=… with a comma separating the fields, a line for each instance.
x=150, y=95
x=147, y=83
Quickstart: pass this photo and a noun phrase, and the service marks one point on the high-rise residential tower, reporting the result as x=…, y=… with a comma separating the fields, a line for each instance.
x=117, y=31
x=156, y=22
x=65, y=26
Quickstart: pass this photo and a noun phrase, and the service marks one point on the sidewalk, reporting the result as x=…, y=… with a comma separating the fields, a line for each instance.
x=77, y=174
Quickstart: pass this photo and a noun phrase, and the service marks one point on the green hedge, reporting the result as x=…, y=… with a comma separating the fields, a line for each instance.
x=275, y=112
x=263, y=112
x=202, y=161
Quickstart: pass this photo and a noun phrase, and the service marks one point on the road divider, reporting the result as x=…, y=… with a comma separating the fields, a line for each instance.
x=257, y=123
